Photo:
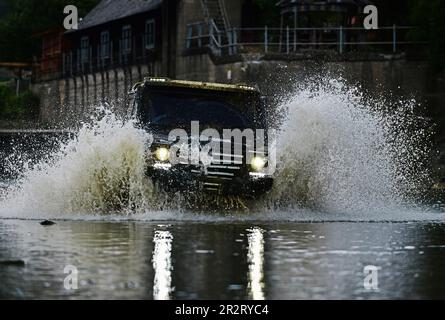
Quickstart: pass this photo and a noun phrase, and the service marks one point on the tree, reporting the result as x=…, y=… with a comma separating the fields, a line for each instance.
x=28, y=17
x=18, y=107
x=429, y=17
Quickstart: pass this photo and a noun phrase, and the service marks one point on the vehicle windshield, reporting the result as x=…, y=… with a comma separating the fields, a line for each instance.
x=171, y=110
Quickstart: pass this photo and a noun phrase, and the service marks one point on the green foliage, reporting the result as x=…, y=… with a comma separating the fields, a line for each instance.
x=429, y=16
x=21, y=107
x=28, y=17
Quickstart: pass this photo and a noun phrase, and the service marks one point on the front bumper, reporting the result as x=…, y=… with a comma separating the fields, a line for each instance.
x=187, y=178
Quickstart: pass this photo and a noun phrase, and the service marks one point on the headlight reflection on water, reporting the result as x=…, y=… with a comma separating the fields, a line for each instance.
x=162, y=265
x=255, y=257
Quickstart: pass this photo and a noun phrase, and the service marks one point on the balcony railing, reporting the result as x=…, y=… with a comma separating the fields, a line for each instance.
x=288, y=40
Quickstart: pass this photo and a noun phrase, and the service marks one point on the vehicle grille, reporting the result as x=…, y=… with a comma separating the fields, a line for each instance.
x=219, y=173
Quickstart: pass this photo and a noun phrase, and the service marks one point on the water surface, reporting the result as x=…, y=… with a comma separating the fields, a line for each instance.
x=222, y=259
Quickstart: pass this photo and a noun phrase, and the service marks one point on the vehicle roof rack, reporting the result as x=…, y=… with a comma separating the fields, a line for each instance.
x=200, y=85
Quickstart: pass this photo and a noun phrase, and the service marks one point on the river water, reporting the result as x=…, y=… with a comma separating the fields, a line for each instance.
x=223, y=260
x=348, y=216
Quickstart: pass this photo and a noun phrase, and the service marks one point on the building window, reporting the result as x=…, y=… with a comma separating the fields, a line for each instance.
x=150, y=34
x=126, y=39
x=84, y=49
x=104, y=44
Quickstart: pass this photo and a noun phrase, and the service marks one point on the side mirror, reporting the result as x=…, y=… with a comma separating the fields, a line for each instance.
x=133, y=97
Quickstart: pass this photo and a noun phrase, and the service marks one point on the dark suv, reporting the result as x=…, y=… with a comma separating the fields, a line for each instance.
x=208, y=137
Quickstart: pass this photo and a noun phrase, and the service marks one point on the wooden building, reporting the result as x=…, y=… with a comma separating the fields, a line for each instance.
x=120, y=42
x=115, y=33
x=49, y=65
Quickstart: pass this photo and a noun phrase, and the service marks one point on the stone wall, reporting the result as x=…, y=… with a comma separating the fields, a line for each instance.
x=73, y=96
x=67, y=101
x=401, y=78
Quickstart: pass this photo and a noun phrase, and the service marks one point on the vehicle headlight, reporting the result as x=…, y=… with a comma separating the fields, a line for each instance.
x=258, y=163
x=162, y=154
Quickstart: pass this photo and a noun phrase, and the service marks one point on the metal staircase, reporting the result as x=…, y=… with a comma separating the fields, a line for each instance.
x=216, y=10
x=223, y=39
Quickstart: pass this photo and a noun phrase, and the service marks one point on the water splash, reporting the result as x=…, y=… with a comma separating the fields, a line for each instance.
x=343, y=152
x=339, y=150
x=102, y=170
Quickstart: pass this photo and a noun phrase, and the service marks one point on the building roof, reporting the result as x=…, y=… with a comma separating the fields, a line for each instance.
x=110, y=10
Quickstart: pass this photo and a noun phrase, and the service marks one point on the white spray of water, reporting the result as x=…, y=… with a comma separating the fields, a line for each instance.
x=339, y=153
x=342, y=152
x=102, y=170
